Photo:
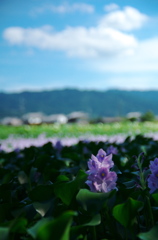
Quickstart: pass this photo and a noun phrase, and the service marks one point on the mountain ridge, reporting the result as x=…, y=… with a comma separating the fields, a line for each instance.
x=108, y=103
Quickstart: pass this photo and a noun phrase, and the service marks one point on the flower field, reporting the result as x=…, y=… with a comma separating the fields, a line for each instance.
x=95, y=188
x=12, y=137
x=77, y=130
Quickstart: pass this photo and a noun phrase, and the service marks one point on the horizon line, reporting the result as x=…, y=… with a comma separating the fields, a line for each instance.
x=76, y=88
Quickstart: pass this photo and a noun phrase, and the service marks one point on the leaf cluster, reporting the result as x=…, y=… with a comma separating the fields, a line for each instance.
x=43, y=195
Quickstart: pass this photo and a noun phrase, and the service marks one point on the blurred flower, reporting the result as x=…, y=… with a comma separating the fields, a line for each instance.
x=153, y=177
x=112, y=149
x=58, y=145
x=154, y=165
x=100, y=178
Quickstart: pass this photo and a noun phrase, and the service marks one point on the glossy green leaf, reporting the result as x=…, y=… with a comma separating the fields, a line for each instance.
x=66, y=190
x=80, y=230
x=96, y=220
x=5, y=211
x=125, y=213
x=41, y=193
x=19, y=225
x=4, y=233
x=33, y=230
x=155, y=196
x=150, y=235
x=58, y=228
x=92, y=202
x=130, y=184
x=43, y=207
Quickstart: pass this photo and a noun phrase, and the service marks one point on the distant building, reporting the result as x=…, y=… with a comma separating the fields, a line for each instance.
x=77, y=117
x=55, y=118
x=134, y=116
x=14, y=121
x=33, y=118
x=110, y=119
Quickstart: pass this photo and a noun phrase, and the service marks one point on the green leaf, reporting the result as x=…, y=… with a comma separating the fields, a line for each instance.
x=130, y=184
x=58, y=228
x=155, y=196
x=5, y=211
x=151, y=235
x=4, y=233
x=96, y=220
x=22, y=177
x=92, y=202
x=19, y=225
x=116, y=169
x=62, y=178
x=126, y=212
x=41, y=162
x=77, y=231
x=33, y=230
x=42, y=208
x=41, y=193
x=66, y=191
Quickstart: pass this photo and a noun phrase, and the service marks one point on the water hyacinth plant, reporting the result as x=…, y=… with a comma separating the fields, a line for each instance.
x=87, y=190
x=100, y=178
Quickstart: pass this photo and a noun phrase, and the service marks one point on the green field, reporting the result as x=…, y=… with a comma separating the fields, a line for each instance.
x=76, y=130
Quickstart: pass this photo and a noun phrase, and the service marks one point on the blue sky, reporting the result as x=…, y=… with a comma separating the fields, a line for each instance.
x=85, y=44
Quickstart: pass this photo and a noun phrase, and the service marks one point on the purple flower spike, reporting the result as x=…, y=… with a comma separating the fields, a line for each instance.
x=100, y=178
x=103, y=173
x=153, y=178
x=91, y=185
x=107, y=162
x=93, y=165
x=101, y=155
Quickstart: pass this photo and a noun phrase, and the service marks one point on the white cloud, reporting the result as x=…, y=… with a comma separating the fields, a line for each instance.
x=111, y=7
x=99, y=41
x=131, y=82
x=78, y=41
x=127, y=19
x=64, y=8
x=104, y=41
x=144, y=59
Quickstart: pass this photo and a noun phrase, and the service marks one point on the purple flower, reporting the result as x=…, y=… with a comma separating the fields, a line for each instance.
x=91, y=185
x=103, y=173
x=107, y=161
x=153, y=177
x=104, y=159
x=58, y=146
x=154, y=165
x=101, y=155
x=100, y=178
x=93, y=165
x=112, y=149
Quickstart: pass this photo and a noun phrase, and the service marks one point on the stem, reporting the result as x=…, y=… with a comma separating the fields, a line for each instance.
x=85, y=238
x=111, y=225
x=126, y=235
x=94, y=233
x=150, y=219
x=142, y=180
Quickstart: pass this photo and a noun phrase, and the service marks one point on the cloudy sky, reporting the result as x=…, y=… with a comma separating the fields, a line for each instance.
x=85, y=44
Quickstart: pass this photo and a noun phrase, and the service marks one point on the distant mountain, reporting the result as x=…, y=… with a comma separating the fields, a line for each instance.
x=109, y=103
